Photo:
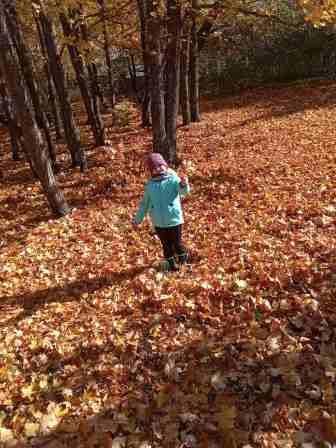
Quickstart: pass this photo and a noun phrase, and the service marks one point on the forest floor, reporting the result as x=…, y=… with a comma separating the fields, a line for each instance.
x=100, y=349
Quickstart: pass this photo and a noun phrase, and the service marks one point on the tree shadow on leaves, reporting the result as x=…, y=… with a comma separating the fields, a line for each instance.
x=283, y=102
x=15, y=229
x=32, y=302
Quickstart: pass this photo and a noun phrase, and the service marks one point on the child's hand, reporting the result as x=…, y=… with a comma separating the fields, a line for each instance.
x=184, y=181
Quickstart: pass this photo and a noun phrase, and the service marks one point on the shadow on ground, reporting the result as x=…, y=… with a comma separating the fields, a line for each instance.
x=32, y=302
x=282, y=102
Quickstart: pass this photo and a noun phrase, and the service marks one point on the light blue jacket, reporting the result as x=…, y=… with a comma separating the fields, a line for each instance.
x=162, y=200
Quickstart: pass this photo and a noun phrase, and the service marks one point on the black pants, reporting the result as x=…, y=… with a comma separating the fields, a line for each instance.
x=171, y=240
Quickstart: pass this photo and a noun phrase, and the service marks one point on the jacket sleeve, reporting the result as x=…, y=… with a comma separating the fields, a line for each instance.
x=183, y=191
x=143, y=208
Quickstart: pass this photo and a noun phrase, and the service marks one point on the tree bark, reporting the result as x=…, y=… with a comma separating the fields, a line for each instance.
x=37, y=152
x=26, y=63
x=133, y=76
x=184, y=82
x=146, y=100
x=172, y=72
x=194, y=70
x=14, y=130
x=155, y=69
x=71, y=132
x=92, y=71
x=96, y=87
x=79, y=68
x=111, y=83
x=203, y=33
x=145, y=112
x=51, y=87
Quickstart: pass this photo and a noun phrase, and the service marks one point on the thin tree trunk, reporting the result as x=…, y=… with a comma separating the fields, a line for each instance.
x=94, y=118
x=96, y=86
x=51, y=86
x=111, y=83
x=204, y=32
x=174, y=27
x=53, y=103
x=18, y=141
x=92, y=71
x=155, y=68
x=184, y=81
x=26, y=63
x=12, y=125
x=146, y=100
x=38, y=155
x=194, y=70
x=95, y=96
x=71, y=132
x=145, y=112
x=133, y=76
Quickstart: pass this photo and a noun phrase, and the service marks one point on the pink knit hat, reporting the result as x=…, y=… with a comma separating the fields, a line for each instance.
x=155, y=161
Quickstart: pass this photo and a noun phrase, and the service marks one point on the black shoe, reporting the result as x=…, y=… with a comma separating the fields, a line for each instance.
x=169, y=265
x=182, y=258
x=172, y=266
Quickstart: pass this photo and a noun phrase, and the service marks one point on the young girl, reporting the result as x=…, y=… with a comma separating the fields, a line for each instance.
x=162, y=200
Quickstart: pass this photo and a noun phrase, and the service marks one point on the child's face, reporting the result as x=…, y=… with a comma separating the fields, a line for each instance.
x=159, y=170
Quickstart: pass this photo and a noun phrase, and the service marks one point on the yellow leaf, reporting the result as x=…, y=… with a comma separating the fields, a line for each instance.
x=34, y=344
x=242, y=284
x=43, y=383
x=3, y=374
x=31, y=429
x=328, y=392
x=27, y=391
x=62, y=409
x=49, y=421
x=226, y=418
x=2, y=416
x=162, y=398
x=6, y=435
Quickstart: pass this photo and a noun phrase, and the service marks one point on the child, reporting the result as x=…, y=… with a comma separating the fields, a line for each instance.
x=162, y=201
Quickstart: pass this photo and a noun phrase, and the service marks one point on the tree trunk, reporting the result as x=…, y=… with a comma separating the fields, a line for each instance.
x=96, y=96
x=133, y=76
x=194, y=71
x=184, y=82
x=95, y=86
x=93, y=75
x=111, y=83
x=38, y=155
x=18, y=141
x=26, y=63
x=146, y=101
x=77, y=63
x=14, y=130
x=53, y=103
x=51, y=87
x=174, y=27
x=155, y=68
x=204, y=32
x=71, y=132
x=145, y=112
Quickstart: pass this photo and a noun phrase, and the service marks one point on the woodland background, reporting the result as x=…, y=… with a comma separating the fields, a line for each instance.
x=97, y=347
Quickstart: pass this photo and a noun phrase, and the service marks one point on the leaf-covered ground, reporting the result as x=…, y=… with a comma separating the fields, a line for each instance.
x=99, y=349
